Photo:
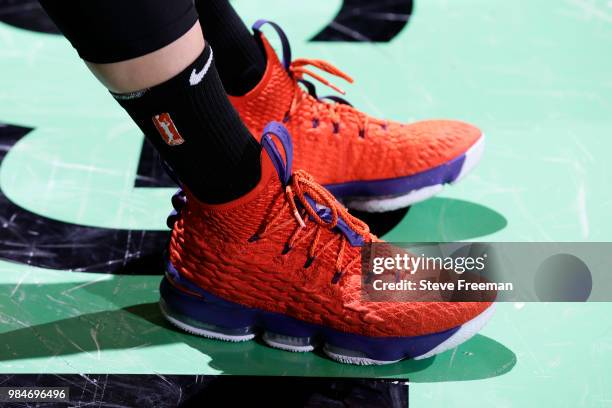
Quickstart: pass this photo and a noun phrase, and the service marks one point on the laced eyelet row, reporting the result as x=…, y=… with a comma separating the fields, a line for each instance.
x=300, y=185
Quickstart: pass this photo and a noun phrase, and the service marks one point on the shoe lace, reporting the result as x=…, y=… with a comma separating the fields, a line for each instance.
x=299, y=195
x=332, y=107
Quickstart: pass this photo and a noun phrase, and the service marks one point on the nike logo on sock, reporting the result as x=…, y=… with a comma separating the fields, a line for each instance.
x=197, y=77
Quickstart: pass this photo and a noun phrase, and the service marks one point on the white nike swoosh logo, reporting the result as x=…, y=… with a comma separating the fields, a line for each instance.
x=197, y=77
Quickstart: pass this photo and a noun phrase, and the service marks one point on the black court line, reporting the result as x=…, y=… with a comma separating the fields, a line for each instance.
x=367, y=21
x=165, y=391
x=39, y=241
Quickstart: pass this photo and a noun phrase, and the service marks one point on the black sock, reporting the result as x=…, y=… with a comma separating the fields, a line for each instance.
x=241, y=61
x=197, y=132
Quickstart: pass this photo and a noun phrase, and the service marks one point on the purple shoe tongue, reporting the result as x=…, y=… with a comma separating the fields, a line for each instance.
x=281, y=164
x=284, y=171
x=283, y=37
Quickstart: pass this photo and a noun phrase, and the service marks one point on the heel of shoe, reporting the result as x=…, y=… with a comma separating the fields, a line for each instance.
x=205, y=317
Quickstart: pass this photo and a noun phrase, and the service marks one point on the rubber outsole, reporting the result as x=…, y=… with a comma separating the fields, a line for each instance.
x=393, y=194
x=218, y=319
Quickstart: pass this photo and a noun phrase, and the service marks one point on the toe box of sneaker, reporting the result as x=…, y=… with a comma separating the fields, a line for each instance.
x=404, y=150
x=401, y=318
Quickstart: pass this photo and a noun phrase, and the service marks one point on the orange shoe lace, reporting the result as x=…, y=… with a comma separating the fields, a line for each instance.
x=305, y=190
x=319, y=108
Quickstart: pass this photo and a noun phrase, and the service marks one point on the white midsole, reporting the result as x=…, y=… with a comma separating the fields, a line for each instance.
x=465, y=332
x=203, y=332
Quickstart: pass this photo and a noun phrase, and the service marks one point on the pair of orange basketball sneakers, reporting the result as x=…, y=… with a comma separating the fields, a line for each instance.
x=284, y=261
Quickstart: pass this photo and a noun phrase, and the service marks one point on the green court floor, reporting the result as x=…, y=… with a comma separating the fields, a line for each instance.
x=536, y=76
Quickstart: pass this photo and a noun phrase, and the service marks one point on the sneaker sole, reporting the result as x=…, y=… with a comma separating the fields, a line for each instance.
x=392, y=194
x=209, y=316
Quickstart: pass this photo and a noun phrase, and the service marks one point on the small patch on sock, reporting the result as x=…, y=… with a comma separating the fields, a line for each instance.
x=168, y=131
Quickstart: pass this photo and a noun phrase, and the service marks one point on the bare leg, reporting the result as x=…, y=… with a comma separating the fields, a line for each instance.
x=152, y=56
x=151, y=69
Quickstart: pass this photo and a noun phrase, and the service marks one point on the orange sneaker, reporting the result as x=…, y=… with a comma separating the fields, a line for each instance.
x=369, y=164
x=284, y=261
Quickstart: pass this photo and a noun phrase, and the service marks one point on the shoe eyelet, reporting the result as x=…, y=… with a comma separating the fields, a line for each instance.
x=315, y=123
x=336, y=127
x=384, y=126
x=308, y=262
x=254, y=238
x=362, y=133
x=286, y=117
x=286, y=249
x=337, y=277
